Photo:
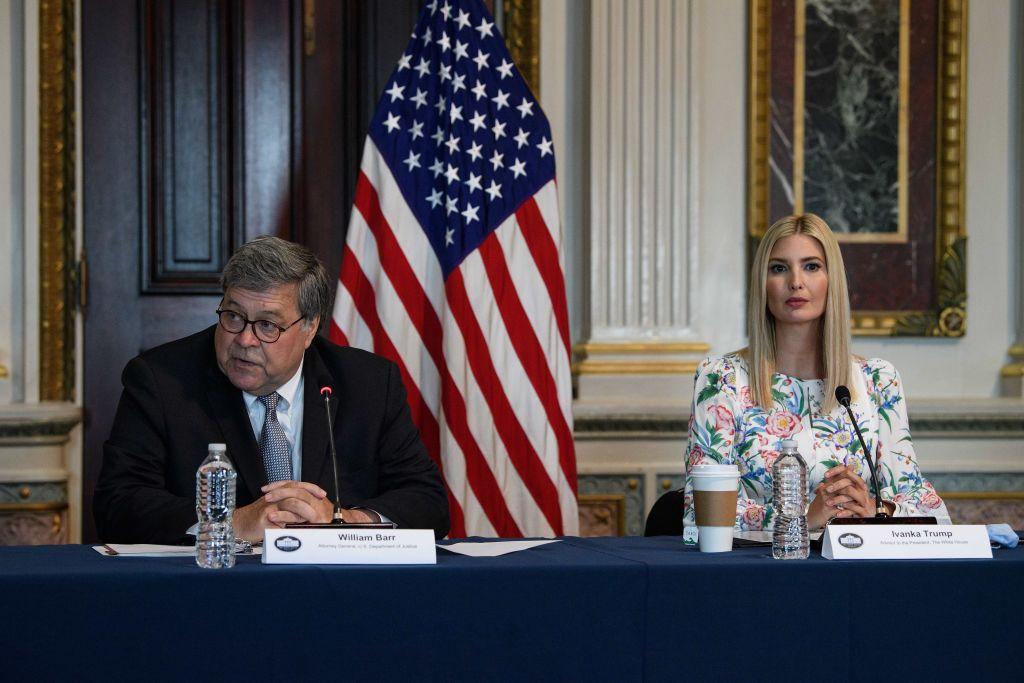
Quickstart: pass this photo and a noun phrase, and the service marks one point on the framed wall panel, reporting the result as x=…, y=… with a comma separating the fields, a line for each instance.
x=856, y=113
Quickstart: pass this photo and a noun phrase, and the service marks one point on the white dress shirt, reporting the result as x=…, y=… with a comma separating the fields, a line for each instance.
x=289, y=414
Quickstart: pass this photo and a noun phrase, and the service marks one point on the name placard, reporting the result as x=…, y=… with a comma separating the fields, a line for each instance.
x=349, y=546
x=905, y=542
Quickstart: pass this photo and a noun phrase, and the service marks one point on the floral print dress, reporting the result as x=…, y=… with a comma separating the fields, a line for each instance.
x=726, y=426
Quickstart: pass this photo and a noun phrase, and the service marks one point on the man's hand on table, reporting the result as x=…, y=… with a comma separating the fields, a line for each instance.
x=290, y=502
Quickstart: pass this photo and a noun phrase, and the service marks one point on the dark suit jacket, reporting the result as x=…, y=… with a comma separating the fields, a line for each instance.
x=176, y=401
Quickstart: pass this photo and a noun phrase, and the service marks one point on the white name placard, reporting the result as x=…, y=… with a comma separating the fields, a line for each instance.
x=344, y=546
x=905, y=542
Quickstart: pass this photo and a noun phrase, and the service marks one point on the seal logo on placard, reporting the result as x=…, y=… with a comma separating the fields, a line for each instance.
x=287, y=544
x=851, y=541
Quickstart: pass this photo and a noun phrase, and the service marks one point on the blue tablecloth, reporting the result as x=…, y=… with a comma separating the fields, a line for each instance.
x=582, y=609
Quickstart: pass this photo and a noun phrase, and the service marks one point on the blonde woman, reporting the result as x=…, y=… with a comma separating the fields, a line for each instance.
x=782, y=386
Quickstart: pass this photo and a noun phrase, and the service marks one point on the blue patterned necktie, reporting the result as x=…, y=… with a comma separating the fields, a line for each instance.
x=277, y=457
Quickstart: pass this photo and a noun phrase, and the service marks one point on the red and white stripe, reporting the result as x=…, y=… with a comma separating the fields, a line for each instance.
x=484, y=355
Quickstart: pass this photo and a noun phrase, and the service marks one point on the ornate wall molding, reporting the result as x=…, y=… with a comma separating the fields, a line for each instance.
x=522, y=36
x=57, y=198
x=923, y=425
x=602, y=488
x=775, y=128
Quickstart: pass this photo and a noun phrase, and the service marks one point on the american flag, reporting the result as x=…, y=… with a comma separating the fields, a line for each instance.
x=452, y=268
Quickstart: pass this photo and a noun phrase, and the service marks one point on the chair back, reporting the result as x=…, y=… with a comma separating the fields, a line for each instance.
x=666, y=517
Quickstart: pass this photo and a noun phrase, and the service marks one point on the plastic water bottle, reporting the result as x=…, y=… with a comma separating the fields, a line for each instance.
x=789, y=489
x=215, y=507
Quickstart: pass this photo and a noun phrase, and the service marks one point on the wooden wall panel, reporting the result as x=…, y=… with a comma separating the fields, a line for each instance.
x=186, y=234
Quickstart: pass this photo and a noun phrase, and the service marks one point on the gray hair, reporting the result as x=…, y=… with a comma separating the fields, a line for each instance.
x=267, y=262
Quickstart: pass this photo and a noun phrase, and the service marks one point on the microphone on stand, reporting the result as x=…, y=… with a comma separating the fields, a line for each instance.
x=881, y=515
x=337, y=519
x=843, y=396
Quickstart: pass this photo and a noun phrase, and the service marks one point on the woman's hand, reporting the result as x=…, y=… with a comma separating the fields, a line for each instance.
x=841, y=494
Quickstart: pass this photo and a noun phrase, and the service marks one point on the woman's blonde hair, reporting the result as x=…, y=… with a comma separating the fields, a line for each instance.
x=835, y=326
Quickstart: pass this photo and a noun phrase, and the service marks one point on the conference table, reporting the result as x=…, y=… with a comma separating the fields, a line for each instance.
x=600, y=609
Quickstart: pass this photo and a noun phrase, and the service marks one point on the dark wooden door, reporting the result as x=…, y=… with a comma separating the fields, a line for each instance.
x=205, y=124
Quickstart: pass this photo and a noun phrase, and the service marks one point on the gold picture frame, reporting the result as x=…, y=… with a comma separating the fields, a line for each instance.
x=58, y=269
x=946, y=315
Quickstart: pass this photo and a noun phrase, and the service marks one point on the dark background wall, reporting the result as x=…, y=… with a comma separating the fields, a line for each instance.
x=204, y=125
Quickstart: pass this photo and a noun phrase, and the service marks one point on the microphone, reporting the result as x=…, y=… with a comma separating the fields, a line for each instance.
x=337, y=518
x=843, y=396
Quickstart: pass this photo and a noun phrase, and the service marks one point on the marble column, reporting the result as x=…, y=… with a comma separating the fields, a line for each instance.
x=1012, y=374
x=640, y=313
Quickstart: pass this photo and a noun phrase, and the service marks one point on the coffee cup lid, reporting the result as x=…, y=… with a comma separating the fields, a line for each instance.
x=714, y=470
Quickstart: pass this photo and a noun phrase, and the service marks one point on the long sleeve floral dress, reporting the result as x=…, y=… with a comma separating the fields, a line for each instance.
x=727, y=426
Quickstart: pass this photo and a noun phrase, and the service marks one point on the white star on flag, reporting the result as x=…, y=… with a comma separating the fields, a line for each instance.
x=392, y=123
x=396, y=92
x=435, y=199
x=478, y=121
x=470, y=213
x=485, y=28
x=494, y=191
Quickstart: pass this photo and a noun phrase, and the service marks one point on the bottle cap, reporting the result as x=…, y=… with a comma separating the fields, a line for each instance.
x=218, y=447
x=788, y=444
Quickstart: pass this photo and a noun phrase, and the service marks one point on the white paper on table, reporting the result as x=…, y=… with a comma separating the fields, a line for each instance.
x=150, y=550
x=492, y=548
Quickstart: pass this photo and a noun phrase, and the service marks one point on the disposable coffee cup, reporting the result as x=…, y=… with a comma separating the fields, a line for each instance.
x=714, y=503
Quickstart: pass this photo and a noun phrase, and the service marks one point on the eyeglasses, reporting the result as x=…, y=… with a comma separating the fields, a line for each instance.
x=265, y=330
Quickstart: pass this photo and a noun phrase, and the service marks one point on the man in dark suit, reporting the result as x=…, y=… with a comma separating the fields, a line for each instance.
x=253, y=382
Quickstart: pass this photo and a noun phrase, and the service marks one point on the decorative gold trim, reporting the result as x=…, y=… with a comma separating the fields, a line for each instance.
x=759, y=70
x=1015, y=368
x=32, y=507
x=903, y=121
x=617, y=498
x=588, y=367
x=948, y=316
x=982, y=495
x=4, y=372
x=592, y=348
x=1012, y=370
x=522, y=35
x=56, y=198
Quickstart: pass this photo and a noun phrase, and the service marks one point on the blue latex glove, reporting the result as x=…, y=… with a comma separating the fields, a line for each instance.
x=1003, y=535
